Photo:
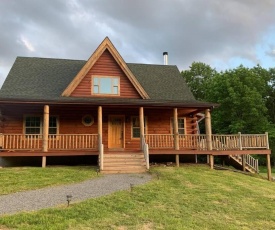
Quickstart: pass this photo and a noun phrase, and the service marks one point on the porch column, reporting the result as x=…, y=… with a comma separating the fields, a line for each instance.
x=99, y=123
x=268, y=164
x=241, y=148
x=208, y=130
x=45, y=133
x=100, y=146
x=269, y=177
x=141, y=125
x=176, y=135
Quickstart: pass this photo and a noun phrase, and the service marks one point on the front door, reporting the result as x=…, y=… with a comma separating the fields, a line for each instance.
x=116, y=131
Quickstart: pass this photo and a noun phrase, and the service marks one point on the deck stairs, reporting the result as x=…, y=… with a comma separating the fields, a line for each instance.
x=251, y=163
x=123, y=162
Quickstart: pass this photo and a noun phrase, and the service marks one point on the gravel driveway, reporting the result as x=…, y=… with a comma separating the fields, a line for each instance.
x=54, y=196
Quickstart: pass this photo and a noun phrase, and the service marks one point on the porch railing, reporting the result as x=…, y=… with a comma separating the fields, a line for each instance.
x=198, y=141
x=55, y=142
x=21, y=142
x=72, y=141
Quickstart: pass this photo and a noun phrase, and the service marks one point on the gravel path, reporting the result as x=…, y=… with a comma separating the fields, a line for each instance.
x=54, y=196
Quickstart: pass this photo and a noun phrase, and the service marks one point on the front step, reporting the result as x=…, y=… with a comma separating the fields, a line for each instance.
x=126, y=162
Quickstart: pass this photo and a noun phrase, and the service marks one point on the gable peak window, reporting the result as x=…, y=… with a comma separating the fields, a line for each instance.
x=105, y=85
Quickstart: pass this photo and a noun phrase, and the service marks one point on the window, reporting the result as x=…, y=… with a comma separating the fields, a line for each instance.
x=34, y=125
x=181, y=122
x=105, y=85
x=136, y=127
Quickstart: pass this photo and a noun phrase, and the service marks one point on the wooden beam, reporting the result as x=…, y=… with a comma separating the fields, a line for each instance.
x=44, y=162
x=141, y=125
x=45, y=128
x=268, y=164
x=208, y=130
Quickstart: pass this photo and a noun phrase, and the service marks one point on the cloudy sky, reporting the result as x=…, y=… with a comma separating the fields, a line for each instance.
x=221, y=33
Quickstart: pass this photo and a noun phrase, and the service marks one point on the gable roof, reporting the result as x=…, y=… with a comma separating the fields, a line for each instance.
x=46, y=78
x=105, y=45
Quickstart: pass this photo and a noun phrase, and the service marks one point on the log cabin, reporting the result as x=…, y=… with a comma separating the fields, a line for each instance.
x=124, y=113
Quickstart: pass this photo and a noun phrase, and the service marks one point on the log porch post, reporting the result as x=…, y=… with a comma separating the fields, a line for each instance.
x=99, y=131
x=99, y=123
x=241, y=148
x=141, y=125
x=45, y=133
x=268, y=163
x=208, y=130
x=176, y=135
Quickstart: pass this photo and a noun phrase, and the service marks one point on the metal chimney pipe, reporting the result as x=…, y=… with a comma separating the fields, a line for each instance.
x=165, y=57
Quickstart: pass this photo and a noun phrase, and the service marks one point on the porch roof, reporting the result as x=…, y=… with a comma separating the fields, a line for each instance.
x=109, y=102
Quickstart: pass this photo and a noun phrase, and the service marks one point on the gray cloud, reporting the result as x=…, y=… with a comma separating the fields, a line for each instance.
x=190, y=30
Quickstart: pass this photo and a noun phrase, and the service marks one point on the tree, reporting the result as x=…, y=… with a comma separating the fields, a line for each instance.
x=197, y=78
x=241, y=94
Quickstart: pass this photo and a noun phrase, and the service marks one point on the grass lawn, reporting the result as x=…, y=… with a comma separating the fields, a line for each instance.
x=25, y=178
x=189, y=197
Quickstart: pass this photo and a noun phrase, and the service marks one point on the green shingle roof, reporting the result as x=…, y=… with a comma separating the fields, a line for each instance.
x=46, y=79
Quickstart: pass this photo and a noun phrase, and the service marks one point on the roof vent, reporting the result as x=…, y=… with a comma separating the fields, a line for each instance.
x=165, y=57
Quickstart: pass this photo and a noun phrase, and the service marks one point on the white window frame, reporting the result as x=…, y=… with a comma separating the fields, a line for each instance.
x=113, y=86
x=172, y=125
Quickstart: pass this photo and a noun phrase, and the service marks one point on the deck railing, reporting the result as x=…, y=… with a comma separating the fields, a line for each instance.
x=55, y=142
x=198, y=141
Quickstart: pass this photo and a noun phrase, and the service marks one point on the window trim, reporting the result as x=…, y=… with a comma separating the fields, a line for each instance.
x=41, y=124
x=105, y=94
x=145, y=126
x=172, y=125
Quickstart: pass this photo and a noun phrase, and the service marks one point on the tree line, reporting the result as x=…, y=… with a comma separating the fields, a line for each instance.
x=246, y=97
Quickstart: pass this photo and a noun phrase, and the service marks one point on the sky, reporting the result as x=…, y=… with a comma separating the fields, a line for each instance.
x=221, y=33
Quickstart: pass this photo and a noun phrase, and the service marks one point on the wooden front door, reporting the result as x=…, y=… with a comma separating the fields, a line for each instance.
x=116, y=131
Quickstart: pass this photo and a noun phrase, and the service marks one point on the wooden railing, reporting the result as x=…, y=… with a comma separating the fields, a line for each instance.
x=55, y=142
x=249, y=160
x=160, y=141
x=72, y=141
x=198, y=141
x=21, y=142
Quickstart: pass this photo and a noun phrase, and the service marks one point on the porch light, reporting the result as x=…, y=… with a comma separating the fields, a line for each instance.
x=69, y=199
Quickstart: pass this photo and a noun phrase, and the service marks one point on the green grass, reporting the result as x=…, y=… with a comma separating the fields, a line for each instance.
x=189, y=197
x=25, y=178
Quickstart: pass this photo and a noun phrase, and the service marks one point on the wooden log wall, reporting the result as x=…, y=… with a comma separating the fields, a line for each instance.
x=105, y=66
